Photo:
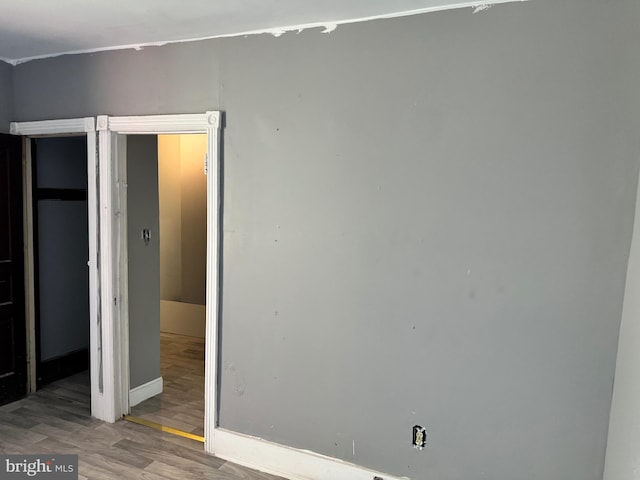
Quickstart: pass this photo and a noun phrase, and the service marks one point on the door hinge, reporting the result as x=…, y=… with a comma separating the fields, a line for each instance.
x=206, y=163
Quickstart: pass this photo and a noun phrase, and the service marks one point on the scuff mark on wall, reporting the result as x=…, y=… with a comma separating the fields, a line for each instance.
x=277, y=32
x=483, y=7
x=330, y=27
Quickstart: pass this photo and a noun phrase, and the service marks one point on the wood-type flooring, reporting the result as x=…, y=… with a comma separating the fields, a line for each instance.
x=56, y=420
x=181, y=404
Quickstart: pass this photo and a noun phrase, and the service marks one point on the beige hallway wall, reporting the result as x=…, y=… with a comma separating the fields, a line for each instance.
x=183, y=232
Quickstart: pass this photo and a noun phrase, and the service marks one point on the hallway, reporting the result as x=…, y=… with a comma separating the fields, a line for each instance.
x=181, y=404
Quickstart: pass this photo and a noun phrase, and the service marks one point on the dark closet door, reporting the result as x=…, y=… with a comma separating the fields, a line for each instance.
x=13, y=345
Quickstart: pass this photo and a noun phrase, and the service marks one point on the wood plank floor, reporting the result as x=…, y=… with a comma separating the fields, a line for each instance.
x=181, y=404
x=56, y=420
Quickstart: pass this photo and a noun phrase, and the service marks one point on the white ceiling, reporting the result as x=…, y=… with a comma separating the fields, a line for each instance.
x=40, y=28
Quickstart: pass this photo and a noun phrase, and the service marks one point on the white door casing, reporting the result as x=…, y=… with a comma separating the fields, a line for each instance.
x=112, y=133
x=73, y=126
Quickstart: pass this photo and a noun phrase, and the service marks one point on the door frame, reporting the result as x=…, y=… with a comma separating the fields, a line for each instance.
x=61, y=128
x=114, y=251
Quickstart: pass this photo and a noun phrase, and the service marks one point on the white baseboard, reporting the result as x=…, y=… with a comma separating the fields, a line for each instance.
x=182, y=318
x=288, y=462
x=144, y=391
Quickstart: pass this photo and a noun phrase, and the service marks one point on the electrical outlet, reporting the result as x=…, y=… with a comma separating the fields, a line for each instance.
x=419, y=437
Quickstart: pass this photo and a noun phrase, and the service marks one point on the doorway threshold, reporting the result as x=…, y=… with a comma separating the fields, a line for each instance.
x=163, y=428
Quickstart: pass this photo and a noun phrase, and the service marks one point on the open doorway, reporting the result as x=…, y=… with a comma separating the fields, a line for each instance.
x=60, y=215
x=61, y=255
x=166, y=256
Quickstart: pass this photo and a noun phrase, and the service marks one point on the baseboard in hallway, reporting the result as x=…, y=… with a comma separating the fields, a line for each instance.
x=181, y=404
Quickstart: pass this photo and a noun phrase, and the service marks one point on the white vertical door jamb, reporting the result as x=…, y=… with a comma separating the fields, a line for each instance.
x=94, y=274
x=212, y=281
x=119, y=148
x=109, y=355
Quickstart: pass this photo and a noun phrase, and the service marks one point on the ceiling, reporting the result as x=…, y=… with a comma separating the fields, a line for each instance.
x=32, y=29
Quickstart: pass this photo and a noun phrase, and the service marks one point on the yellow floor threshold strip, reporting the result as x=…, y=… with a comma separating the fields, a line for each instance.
x=158, y=426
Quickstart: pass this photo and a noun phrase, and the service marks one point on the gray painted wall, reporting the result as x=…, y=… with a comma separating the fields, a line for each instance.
x=63, y=248
x=61, y=162
x=426, y=221
x=63, y=277
x=183, y=217
x=179, y=78
x=144, y=260
x=193, y=149
x=170, y=209
x=6, y=96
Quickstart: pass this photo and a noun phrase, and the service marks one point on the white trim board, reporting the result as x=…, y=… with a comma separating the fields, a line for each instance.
x=113, y=214
x=53, y=127
x=111, y=350
x=145, y=391
x=289, y=462
x=157, y=124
